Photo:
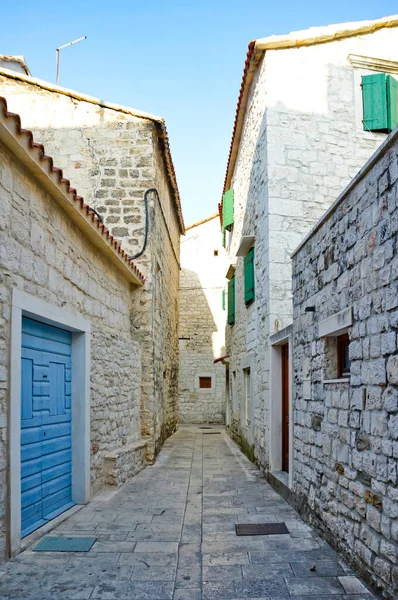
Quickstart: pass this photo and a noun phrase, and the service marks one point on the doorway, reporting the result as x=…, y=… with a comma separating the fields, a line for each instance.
x=285, y=407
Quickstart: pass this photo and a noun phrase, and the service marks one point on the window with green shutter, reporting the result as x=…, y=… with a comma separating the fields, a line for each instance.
x=231, y=301
x=224, y=239
x=249, y=276
x=380, y=102
x=228, y=210
x=223, y=299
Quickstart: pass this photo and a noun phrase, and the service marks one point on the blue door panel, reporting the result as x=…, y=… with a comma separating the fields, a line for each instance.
x=58, y=458
x=46, y=433
x=46, y=331
x=31, y=497
x=55, y=472
x=41, y=388
x=42, y=359
x=30, y=435
x=32, y=466
x=26, y=384
x=31, y=481
x=42, y=345
x=54, y=486
x=41, y=403
x=35, y=421
x=48, y=419
x=55, y=445
x=56, y=430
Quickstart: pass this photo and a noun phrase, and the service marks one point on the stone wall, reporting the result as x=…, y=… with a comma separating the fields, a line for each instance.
x=43, y=253
x=346, y=432
x=112, y=157
x=202, y=323
x=302, y=142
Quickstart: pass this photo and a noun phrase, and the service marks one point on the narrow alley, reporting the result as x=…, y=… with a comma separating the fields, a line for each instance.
x=170, y=534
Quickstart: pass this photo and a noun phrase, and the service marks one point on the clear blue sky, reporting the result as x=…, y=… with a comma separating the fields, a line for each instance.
x=181, y=60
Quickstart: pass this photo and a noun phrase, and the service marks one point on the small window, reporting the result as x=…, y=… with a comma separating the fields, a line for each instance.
x=380, y=102
x=205, y=383
x=343, y=358
x=215, y=252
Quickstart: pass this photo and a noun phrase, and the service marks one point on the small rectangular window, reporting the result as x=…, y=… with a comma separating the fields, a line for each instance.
x=343, y=358
x=205, y=383
x=247, y=393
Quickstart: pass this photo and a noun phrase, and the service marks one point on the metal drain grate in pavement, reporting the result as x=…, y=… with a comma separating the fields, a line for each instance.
x=260, y=528
x=65, y=544
x=211, y=433
x=205, y=427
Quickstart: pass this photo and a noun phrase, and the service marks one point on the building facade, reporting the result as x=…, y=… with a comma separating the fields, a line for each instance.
x=71, y=368
x=202, y=324
x=345, y=365
x=114, y=155
x=300, y=135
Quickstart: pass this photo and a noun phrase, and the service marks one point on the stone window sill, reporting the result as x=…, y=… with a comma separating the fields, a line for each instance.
x=342, y=380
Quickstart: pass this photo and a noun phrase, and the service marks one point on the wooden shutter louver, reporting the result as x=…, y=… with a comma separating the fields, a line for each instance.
x=231, y=301
x=228, y=210
x=374, y=98
x=392, y=102
x=249, y=276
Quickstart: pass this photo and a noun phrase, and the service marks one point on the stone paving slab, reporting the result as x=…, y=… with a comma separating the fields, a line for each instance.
x=170, y=535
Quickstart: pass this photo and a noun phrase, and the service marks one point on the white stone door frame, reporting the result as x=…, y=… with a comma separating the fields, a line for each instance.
x=26, y=305
x=276, y=342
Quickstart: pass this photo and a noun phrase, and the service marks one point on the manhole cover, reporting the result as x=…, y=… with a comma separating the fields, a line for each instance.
x=65, y=544
x=260, y=528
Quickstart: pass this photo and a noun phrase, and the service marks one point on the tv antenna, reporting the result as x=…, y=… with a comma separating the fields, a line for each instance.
x=57, y=55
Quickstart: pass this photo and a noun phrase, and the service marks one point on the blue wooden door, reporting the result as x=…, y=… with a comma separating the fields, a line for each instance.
x=46, y=435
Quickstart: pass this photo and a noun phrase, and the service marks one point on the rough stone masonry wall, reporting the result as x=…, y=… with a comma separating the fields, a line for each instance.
x=165, y=243
x=202, y=324
x=246, y=339
x=112, y=158
x=44, y=254
x=346, y=434
x=301, y=144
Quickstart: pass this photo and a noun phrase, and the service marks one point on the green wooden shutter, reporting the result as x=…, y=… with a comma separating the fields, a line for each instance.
x=231, y=301
x=374, y=98
x=228, y=210
x=224, y=239
x=249, y=276
x=223, y=299
x=392, y=101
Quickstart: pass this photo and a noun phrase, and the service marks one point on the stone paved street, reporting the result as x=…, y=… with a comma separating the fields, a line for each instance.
x=170, y=534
